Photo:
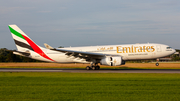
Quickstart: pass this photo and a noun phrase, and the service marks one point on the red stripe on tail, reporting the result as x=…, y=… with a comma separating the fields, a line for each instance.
x=36, y=48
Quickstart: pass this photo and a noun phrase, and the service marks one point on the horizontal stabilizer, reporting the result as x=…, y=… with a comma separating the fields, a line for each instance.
x=21, y=53
x=47, y=46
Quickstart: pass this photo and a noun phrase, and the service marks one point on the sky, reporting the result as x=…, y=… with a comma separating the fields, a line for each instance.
x=92, y=22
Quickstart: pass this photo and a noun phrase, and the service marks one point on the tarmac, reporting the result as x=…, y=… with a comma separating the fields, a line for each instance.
x=90, y=71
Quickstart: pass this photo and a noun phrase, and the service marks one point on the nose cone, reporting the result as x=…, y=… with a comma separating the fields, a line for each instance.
x=173, y=51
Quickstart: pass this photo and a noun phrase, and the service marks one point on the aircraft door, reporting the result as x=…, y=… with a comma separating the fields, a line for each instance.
x=158, y=48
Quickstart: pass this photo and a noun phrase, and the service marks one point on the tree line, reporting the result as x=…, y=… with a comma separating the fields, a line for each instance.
x=8, y=56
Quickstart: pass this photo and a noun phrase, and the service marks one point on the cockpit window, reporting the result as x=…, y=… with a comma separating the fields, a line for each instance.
x=168, y=48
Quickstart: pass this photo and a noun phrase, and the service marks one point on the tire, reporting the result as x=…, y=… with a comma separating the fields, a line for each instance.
x=157, y=64
x=97, y=67
x=88, y=68
x=93, y=68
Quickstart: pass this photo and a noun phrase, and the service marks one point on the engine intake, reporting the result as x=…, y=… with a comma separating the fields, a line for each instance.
x=112, y=61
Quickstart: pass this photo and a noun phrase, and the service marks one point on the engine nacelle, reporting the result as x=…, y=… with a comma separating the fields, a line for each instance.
x=112, y=61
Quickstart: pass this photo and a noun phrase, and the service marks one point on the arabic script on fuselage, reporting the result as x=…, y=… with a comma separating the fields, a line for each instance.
x=104, y=48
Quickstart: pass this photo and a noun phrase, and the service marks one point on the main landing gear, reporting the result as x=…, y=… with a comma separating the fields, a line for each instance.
x=93, y=67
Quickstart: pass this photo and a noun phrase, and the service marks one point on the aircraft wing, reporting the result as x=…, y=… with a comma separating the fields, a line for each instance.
x=79, y=54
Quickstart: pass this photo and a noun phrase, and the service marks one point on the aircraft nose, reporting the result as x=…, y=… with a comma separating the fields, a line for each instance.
x=174, y=51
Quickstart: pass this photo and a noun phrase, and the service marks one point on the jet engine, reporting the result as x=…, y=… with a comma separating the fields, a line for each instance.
x=112, y=61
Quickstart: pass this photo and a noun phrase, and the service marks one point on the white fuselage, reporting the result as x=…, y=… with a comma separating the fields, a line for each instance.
x=112, y=55
x=127, y=52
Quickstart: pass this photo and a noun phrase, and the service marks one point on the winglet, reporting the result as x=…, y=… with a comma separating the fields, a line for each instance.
x=47, y=46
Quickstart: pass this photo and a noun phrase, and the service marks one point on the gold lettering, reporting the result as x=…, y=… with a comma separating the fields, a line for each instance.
x=135, y=49
x=104, y=48
x=118, y=49
x=144, y=48
x=126, y=48
x=147, y=48
x=152, y=47
x=123, y=50
x=129, y=49
x=132, y=49
x=140, y=49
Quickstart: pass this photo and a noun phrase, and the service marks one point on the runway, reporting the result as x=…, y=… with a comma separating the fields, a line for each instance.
x=91, y=71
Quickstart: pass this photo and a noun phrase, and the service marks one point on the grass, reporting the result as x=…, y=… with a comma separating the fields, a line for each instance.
x=88, y=86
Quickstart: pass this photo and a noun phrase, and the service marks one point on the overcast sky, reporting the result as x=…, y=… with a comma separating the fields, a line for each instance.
x=92, y=22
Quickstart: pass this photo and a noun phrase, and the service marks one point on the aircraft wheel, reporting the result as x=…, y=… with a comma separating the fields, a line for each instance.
x=97, y=67
x=93, y=68
x=157, y=64
x=88, y=68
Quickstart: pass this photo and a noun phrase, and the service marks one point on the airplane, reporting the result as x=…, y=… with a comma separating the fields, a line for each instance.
x=111, y=55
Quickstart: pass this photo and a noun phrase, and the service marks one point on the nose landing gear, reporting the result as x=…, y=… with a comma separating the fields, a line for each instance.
x=157, y=64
